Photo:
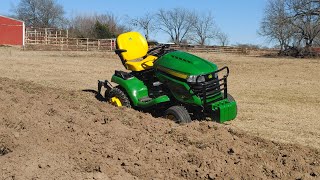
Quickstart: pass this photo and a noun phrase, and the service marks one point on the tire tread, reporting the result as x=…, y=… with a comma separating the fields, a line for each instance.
x=116, y=92
x=181, y=112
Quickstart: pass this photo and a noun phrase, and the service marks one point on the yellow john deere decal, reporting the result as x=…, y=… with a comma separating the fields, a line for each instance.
x=210, y=76
x=173, y=73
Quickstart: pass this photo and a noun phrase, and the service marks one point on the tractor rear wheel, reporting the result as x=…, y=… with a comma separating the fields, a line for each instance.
x=118, y=98
x=179, y=114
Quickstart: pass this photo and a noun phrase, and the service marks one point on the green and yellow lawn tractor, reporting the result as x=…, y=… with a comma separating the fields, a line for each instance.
x=174, y=84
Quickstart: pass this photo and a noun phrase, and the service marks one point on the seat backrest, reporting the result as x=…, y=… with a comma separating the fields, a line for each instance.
x=134, y=44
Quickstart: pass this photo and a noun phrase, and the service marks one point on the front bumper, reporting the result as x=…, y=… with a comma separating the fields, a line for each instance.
x=211, y=89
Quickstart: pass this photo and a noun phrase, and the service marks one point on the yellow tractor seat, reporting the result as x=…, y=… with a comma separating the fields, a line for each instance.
x=132, y=49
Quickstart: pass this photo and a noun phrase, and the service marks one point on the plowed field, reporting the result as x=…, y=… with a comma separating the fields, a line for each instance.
x=54, y=126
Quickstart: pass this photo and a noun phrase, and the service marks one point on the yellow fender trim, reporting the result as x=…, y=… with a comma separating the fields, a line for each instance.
x=173, y=73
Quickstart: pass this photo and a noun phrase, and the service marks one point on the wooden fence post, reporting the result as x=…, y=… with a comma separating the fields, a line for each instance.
x=61, y=43
x=56, y=37
x=87, y=44
x=35, y=34
x=46, y=35
x=77, y=44
x=67, y=42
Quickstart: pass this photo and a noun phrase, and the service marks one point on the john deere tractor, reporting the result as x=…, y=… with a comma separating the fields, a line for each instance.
x=175, y=84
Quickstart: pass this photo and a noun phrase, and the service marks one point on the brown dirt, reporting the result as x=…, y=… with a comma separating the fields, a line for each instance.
x=50, y=129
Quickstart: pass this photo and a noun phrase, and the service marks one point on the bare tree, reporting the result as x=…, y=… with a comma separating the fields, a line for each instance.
x=40, y=13
x=84, y=26
x=176, y=23
x=305, y=17
x=276, y=25
x=81, y=26
x=113, y=22
x=295, y=24
x=145, y=23
x=203, y=28
x=222, y=38
x=317, y=41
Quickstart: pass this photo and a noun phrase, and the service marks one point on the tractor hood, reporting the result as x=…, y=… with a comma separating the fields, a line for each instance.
x=182, y=64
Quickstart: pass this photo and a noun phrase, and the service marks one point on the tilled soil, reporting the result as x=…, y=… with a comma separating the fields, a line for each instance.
x=48, y=133
x=278, y=98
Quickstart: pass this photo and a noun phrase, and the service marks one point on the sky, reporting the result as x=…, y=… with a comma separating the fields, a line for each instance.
x=239, y=19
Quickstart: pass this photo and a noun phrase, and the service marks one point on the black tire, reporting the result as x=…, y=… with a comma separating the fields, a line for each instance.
x=120, y=95
x=230, y=98
x=179, y=114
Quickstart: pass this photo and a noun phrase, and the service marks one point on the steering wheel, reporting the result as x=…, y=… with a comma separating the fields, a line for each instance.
x=159, y=50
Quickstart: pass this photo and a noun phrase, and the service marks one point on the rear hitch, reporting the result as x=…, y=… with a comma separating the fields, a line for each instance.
x=106, y=84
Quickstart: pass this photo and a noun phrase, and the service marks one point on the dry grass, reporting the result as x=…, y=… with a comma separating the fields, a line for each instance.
x=278, y=99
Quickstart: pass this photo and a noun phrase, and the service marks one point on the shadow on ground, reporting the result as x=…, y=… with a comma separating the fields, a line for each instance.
x=98, y=96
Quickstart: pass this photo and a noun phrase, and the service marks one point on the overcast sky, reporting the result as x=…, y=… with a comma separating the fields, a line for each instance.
x=240, y=19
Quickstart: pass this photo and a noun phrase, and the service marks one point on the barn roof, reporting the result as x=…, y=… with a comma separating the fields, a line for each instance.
x=11, y=18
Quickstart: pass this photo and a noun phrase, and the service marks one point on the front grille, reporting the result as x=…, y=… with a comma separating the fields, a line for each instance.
x=207, y=89
x=211, y=89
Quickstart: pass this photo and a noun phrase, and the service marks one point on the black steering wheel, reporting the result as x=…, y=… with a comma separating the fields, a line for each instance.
x=159, y=50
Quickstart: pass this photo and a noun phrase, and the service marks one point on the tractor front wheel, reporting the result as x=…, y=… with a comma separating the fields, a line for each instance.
x=179, y=114
x=118, y=98
x=230, y=98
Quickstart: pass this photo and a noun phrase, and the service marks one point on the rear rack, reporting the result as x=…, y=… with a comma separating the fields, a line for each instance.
x=212, y=87
x=106, y=84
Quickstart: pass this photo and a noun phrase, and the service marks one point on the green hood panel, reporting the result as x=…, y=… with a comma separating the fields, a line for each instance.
x=185, y=63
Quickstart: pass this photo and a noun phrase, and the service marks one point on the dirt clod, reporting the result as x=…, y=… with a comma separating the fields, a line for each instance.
x=230, y=151
x=4, y=150
x=313, y=174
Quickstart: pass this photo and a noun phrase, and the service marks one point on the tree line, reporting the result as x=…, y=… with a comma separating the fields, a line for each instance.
x=293, y=24
x=183, y=26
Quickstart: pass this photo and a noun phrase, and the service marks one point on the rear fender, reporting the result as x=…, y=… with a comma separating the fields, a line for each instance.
x=133, y=87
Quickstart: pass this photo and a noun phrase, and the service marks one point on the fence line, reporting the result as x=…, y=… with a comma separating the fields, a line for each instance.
x=226, y=49
x=55, y=39
x=76, y=44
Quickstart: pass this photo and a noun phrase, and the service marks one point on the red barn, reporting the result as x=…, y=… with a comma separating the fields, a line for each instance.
x=12, y=31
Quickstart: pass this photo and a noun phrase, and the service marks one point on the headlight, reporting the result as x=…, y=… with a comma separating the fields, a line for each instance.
x=216, y=75
x=193, y=79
